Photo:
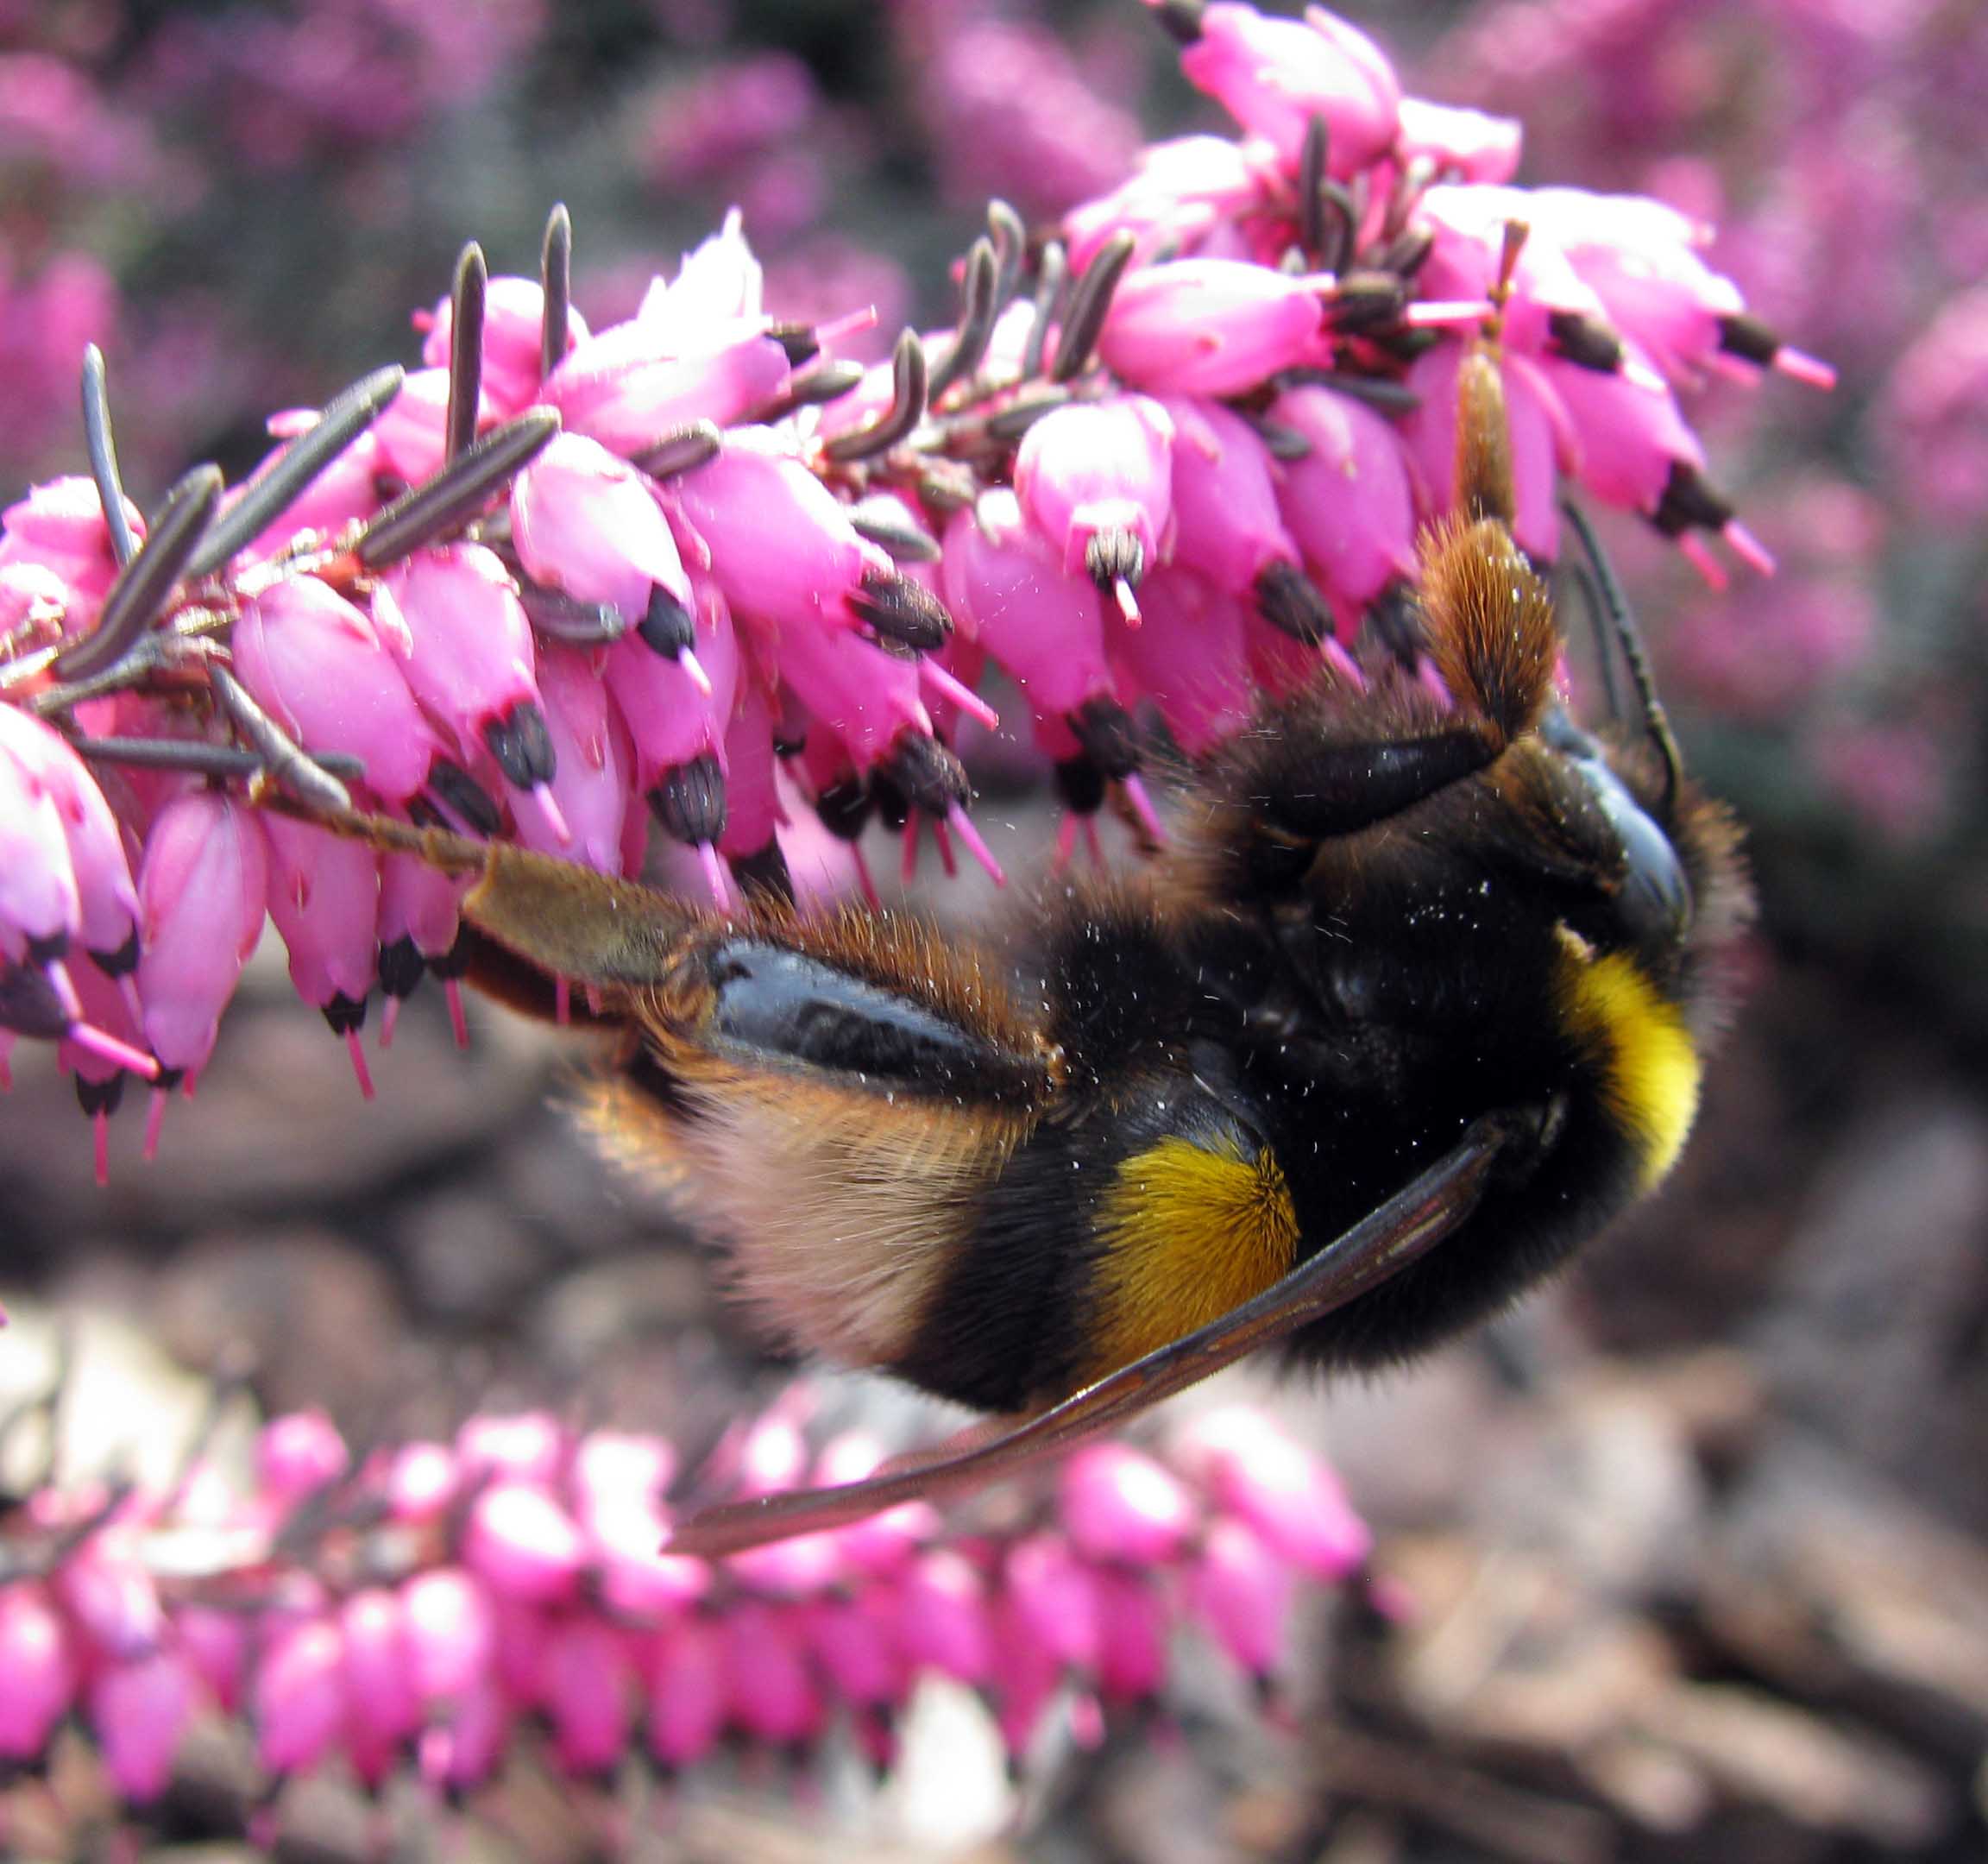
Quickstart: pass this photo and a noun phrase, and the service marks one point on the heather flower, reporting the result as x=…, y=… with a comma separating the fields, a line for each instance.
x=453, y=619
x=1471, y=143
x=630, y=385
x=411, y=434
x=1211, y=326
x=589, y=522
x=318, y=664
x=203, y=886
x=1096, y=479
x=1181, y=191
x=1347, y=500
x=1274, y=75
x=324, y=898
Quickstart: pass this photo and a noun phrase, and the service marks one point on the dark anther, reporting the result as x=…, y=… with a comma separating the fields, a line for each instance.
x=168, y=1078
x=102, y=447
x=690, y=800
x=932, y=778
x=680, y=450
x=1585, y=340
x=466, y=799
x=1745, y=337
x=1287, y=599
x=522, y=747
x=28, y=1004
x=1368, y=300
x=765, y=871
x=144, y=583
x=667, y=625
x=276, y=485
x=1081, y=785
x=1112, y=556
x=797, y=340
x=556, y=275
x=1090, y=305
x=119, y=963
x=1396, y=617
x=455, y=962
x=48, y=948
x=1109, y=736
x=457, y=493
x=902, y=611
x=789, y=744
x=844, y=807
x=96, y=1097
x=345, y=1014
x=401, y=965
x=1180, y=19
x=1688, y=500
x=465, y=350
x=893, y=806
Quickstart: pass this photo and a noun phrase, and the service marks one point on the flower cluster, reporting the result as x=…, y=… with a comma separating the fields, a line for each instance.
x=407, y=1612
x=693, y=578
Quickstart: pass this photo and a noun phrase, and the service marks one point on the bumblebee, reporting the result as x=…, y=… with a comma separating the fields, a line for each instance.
x=1413, y=1005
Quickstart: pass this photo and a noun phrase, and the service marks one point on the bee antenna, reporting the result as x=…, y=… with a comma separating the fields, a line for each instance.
x=1583, y=580
x=1614, y=606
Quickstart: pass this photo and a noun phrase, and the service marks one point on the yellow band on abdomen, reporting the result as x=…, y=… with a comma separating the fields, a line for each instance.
x=1189, y=1231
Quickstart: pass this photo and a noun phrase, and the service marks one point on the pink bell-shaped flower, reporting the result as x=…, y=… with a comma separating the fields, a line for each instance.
x=589, y=522
x=203, y=891
x=1482, y=148
x=523, y=1544
x=297, y=1455
x=1181, y=189
x=107, y=902
x=451, y=617
x=1212, y=326
x=628, y=386
x=1131, y=1635
x=1096, y=479
x=317, y=664
x=1191, y=657
x=1116, y=1503
x=944, y=1619
x=773, y=1694
x=588, y=1686
x=299, y=1696
x=60, y=526
x=1274, y=75
x=1347, y=502
x=325, y=897
x=382, y=1706
x=39, y=1663
x=688, y=1692
x=449, y=1632
x=593, y=772
x=1241, y=1591
x=1289, y=1496
x=139, y=1711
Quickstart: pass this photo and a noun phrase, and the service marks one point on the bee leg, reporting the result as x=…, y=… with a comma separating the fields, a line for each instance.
x=1400, y=1232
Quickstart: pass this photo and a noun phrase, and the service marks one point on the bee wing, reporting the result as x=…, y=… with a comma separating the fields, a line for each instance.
x=1384, y=1242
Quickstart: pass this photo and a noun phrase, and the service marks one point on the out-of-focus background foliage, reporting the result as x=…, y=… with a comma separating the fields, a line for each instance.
x=1699, y=1539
